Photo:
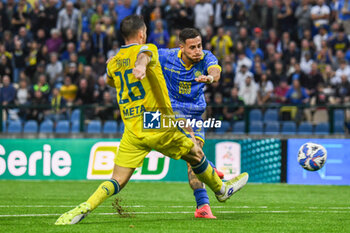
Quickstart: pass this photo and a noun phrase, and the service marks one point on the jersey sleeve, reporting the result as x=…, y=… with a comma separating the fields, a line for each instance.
x=210, y=61
x=109, y=77
x=151, y=50
x=108, y=71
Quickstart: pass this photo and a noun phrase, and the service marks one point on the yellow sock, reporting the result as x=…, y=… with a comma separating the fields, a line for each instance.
x=105, y=190
x=205, y=173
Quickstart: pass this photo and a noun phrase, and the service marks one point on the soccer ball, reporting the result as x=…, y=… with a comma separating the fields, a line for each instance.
x=312, y=156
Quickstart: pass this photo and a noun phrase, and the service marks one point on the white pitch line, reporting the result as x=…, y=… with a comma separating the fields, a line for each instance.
x=26, y=215
x=213, y=207
x=285, y=211
x=58, y=206
x=133, y=206
x=333, y=208
x=35, y=206
x=188, y=212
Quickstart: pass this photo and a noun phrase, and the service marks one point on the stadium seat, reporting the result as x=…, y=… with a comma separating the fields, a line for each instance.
x=62, y=127
x=3, y=126
x=121, y=127
x=255, y=115
x=339, y=116
x=14, y=127
x=94, y=127
x=256, y=127
x=75, y=127
x=289, y=128
x=322, y=128
x=46, y=127
x=75, y=115
x=271, y=115
x=272, y=127
x=239, y=127
x=110, y=127
x=30, y=126
x=339, y=127
x=225, y=126
x=305, y=128
x=320, y=116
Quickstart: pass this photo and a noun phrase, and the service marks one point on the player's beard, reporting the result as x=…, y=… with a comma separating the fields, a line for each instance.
x=191, y=59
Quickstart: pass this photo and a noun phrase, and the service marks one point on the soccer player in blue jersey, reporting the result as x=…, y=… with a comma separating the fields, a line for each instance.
x=137, y=76
x=187, y=70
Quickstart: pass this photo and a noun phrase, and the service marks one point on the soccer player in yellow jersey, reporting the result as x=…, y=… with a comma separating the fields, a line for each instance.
x=142, y=94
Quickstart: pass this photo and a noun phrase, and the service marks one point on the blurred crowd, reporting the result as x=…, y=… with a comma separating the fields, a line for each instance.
x=53, y=52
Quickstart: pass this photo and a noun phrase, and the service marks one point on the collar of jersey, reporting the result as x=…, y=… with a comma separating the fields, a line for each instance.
x=183, y=63
x=129, y=45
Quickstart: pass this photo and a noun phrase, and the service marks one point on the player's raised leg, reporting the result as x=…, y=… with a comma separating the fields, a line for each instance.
x=205, y=173
x=120, y=177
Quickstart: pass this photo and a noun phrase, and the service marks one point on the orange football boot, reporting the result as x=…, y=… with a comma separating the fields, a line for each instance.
x=204, y=212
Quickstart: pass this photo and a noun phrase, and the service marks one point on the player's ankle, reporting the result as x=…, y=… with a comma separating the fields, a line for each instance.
x=200, y=206
x=222, y=190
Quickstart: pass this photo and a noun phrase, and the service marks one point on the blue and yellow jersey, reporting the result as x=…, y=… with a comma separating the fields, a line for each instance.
x=135, y=96
x=185, y=93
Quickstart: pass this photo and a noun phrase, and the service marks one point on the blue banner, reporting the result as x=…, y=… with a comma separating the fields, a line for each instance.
x=336, y=171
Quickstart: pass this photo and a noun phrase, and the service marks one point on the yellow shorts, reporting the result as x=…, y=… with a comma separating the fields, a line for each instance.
x=132, y=150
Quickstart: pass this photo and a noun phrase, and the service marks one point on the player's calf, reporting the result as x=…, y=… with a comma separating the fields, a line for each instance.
x=203, y=170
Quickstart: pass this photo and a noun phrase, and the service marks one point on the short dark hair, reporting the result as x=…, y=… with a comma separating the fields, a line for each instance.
x=130, y=25
x=188, y=33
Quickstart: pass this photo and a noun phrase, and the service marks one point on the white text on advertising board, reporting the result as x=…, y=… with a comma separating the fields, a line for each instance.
x=18, y=163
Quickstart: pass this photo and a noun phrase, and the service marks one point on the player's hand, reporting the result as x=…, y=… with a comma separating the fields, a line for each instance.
x=203, y=79
x=139, y=72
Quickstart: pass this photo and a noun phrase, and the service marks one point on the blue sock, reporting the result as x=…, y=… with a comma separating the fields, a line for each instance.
x=211, y=164
x=201, y=197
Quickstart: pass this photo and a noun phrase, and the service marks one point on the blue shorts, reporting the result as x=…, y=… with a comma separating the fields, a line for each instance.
x=198, y=131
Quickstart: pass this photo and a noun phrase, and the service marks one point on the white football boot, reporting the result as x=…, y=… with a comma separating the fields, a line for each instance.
x=233, y=186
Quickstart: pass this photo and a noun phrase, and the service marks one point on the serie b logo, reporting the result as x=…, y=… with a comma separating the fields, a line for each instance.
x=101, y=163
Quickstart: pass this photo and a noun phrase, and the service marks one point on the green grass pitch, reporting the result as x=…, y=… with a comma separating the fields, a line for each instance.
x=34, y=206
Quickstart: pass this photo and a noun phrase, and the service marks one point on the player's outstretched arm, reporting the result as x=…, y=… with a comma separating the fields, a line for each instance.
x=215, y=72
x=141, y=63
x=213, y=76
